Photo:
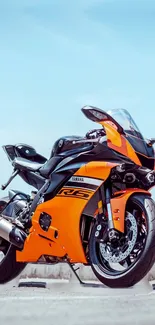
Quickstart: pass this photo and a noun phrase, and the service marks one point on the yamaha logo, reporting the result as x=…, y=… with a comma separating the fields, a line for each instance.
x=77, y=179
x=60, y=143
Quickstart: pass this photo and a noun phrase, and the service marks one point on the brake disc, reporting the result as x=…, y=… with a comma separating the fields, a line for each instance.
x=117, y=256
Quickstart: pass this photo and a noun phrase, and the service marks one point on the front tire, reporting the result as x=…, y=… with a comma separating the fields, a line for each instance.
x=137, y=267
x=9, y=268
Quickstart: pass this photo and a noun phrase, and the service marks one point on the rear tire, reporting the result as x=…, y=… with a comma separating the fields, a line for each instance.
x=139, y=269
x=9, y=268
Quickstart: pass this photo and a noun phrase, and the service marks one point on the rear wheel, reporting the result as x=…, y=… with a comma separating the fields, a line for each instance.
x=9, y=268
x=126, y=260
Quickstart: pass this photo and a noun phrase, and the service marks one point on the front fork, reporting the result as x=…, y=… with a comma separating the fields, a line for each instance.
x=106, y=201
x=109, y=209
x=116, y=207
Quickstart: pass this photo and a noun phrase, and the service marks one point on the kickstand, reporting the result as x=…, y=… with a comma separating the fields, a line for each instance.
x=84, y=284
x=74, y=270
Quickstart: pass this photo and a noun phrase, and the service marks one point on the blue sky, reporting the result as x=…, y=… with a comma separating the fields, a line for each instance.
x=57, y=56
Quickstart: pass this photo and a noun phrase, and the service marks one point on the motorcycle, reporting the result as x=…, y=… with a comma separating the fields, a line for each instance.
x=92, y=203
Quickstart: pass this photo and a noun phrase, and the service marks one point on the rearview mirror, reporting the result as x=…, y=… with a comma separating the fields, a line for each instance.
x=97, y=115
x=151, y=141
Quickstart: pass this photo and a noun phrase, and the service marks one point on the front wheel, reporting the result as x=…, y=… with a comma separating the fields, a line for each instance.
x=128, y=259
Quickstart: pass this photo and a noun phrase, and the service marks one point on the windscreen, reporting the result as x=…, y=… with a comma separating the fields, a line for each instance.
x=134, y=136
x=123, y=117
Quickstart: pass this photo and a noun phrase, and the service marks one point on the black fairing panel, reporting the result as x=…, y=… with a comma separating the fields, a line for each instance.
x=50, y=188
x=64, y=146
x=140, y=146
x=68, y=150
x=72, y=167
x=76, y=150
x=32, y=179
x=146, y=161
x=100, y=153
x=57, y=182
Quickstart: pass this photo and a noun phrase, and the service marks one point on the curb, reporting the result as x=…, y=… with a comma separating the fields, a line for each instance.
x=63, y=271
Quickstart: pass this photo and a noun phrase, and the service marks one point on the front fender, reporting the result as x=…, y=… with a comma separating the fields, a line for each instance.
x=118, y=206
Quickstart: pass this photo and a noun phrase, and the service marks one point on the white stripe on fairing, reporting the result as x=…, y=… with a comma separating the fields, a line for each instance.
x=86, y=180
x=80, y=188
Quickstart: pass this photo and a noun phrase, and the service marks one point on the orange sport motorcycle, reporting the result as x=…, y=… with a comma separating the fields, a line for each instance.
x=92, y=203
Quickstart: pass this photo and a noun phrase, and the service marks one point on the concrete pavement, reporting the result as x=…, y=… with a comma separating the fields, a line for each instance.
x=65, y=303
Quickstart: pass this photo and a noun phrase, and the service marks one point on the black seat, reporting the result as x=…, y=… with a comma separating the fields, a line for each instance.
x=25, y=164
x=49, y=166
x=44, y=170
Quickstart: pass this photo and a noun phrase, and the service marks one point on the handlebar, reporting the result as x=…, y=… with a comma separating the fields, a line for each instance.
x=99, y=140
x=98, y=133
x=99, y=136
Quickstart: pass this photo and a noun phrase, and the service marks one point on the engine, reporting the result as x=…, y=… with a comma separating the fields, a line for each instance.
x=18, y=208
x=14, y=218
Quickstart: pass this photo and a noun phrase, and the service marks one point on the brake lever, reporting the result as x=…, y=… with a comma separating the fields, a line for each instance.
x=85, y=141
x=96, y=140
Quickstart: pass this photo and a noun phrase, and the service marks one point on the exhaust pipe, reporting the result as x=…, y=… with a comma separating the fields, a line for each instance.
x=12, y=233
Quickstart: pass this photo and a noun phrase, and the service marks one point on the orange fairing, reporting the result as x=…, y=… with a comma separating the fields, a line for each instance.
x=96, y=169
x=118, y=205
x=63, y=237
x=118, y=142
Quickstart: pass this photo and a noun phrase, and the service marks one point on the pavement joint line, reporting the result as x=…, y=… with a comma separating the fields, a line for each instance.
x=71, y=297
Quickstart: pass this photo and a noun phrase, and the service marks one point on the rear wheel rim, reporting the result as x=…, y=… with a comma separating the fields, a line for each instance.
x=4, y=248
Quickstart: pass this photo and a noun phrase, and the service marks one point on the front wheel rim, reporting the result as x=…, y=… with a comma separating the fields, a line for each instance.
x=112, y=268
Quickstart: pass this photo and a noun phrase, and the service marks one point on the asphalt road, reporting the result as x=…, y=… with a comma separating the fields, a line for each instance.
x=71, y=304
